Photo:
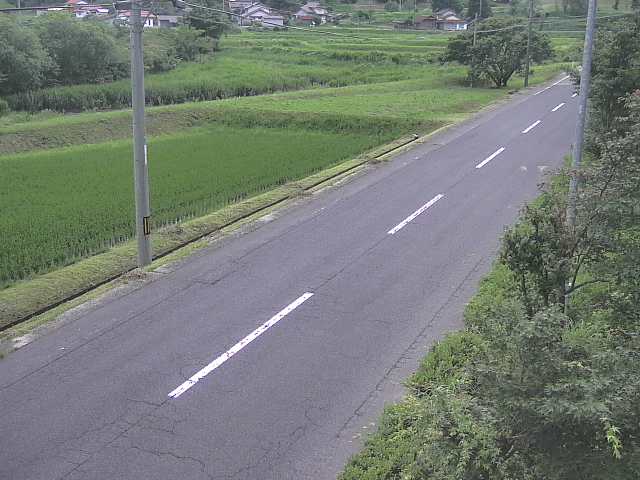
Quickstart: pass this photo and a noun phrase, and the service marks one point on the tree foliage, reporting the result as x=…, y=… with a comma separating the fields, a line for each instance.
x=615, y=72
x=455, y=5
x=83, y=51
x=212, y=23
x=499, y=53
x=57, y=49
x=473, y=7
x=24, y=63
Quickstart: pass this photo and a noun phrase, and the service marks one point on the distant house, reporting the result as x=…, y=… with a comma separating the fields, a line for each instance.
x=236, y=6
x=452, y=24
x=441, y=20
x=273, y=21
x=258, y=14
x=84, y=11
x=449, y=20
x=446, y=13
x=429, y=22
x=312, y=12
x=168, y=21
x=150, y=19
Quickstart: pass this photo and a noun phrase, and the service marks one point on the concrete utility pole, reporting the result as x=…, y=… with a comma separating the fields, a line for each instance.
x=585, y=83
x=140, y=170
x=526, y=66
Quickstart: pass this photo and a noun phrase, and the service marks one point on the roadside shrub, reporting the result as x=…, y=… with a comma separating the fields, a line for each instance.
x=444, y=365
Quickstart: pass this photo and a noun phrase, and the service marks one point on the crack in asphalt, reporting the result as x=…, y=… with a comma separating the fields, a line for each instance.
x=412, y=346
x=181, y=458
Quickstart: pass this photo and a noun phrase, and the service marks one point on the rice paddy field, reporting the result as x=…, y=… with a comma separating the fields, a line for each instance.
x=289, y=104
x=78, y=199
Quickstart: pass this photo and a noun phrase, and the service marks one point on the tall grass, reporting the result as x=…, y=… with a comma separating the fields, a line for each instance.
x=58, y=206
x=222, y=77
x=249, y=64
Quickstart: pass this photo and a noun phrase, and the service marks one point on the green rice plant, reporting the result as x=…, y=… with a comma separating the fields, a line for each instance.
x=61, y=205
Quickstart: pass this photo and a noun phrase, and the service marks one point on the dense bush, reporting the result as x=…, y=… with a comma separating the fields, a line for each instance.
x=24, y=63
x=164, y=49
x=82, y=51
x=45, y=51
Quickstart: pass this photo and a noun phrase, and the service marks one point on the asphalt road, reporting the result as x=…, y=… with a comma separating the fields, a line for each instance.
x=350, y=287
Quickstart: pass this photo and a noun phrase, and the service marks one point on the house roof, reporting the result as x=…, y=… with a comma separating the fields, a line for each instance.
x=445, y=12
x=254, y=7
x=76, y=2
x=314, y=8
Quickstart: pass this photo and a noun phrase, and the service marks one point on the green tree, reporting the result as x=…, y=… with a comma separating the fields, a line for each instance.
x=615, y=73
x=190, y=44
x=166, y=48
x=473, y=7
x=24, y=63
x=84, y=51
x=212, y=23
x=499, y=52
x=455, y=5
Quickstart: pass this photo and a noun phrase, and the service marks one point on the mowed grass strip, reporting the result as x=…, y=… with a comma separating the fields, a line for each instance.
x=58, y=206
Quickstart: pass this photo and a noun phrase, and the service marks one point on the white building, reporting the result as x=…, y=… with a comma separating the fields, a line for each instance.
x=259, y=14
x=150, y=19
